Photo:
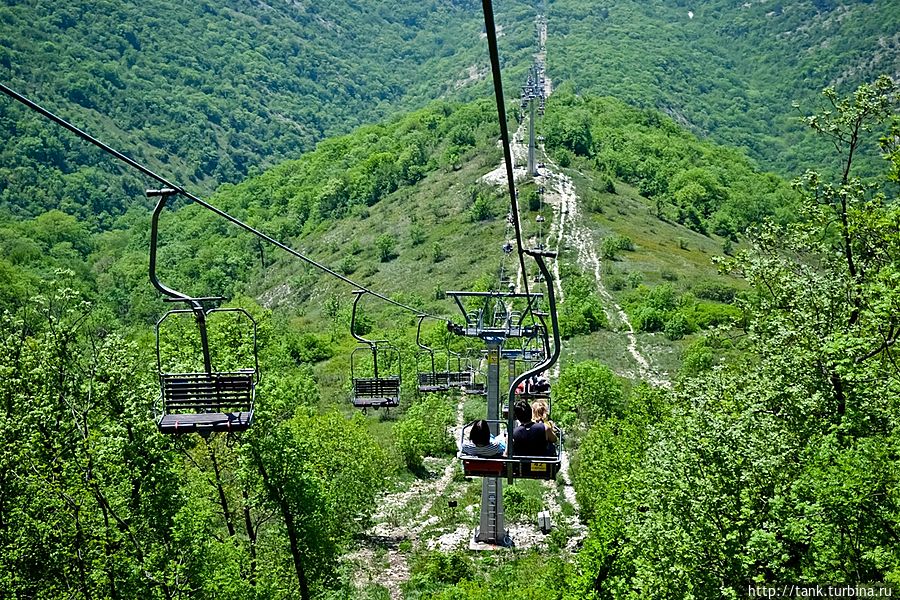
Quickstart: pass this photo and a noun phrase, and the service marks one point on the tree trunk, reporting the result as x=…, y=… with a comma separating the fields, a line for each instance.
x=251, y=535
x=276, y=495
x=223, y=501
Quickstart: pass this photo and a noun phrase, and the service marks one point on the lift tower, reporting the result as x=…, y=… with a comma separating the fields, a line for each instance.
x=494, y=322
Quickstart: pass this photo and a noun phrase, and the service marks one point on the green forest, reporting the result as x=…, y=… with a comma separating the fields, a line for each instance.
x=722, y=204
x=730, y=70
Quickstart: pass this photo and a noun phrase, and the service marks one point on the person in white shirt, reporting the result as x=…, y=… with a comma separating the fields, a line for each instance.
x=482, y=443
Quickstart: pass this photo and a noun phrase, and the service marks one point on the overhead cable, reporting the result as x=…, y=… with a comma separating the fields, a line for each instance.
x=491, y=32
x=180, y=190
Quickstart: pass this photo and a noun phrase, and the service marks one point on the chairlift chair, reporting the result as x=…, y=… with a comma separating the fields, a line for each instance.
x=207, y=401
x=430, y=380
x=474, y=386
x=460, y=378
x=210, y=400
x=520, y=467
x=376, y=391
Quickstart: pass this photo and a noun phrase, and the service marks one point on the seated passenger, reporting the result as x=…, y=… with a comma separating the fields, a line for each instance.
x=540, y=414
x=530, y=438
x=482, y=443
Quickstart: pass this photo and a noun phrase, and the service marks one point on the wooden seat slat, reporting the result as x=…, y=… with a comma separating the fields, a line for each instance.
x=202, y=385
x=205, y=422
x=206, y=406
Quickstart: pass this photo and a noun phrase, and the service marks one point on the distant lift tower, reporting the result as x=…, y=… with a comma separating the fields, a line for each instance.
x=531, y=168
x=531, y=91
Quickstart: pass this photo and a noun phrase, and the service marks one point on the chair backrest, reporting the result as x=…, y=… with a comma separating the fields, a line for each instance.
x=376, y=387
x=208, y=392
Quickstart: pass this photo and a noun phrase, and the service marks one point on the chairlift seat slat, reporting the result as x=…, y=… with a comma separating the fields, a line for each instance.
x=212, y=422
x=207, y=402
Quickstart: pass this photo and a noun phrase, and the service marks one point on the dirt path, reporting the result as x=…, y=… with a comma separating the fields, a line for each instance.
x=569, y=229
x=380, y=560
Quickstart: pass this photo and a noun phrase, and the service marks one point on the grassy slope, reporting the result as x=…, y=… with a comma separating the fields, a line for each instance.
x=664, y=251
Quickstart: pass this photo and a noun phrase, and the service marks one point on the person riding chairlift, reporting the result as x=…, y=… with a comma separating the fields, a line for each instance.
x=482, y=443
x=530, y=438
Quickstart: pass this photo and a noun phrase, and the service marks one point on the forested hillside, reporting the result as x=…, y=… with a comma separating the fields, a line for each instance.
x=731, y=70
x=207, y=91
x=397, y=206
x=687, y=478
x=725, y=399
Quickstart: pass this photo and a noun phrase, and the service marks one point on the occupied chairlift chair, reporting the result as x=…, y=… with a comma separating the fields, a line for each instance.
x=208, y=401
x=516, y=466
x=375, y=391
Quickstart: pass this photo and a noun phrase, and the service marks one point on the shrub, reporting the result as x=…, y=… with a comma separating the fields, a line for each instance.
x=531, y=198
x=348, y=265
x=607, y=185
x=662, y=297
x=482, y=208
x=516, y=503
x=437, y=568
x=616, y=282
x=611, y=246
x=563, y=157
x=416, y=234
x=308, y=348
x=437, y=253
x=582, y=311
x=385, y=245
x=698, y=357
x=708, y=314
x=588, y=391
x=678, y=326
x=668, y=275
x=714, y=290
x=727, y=247
x=649, y=319
x=411, y=439
x=423, y=430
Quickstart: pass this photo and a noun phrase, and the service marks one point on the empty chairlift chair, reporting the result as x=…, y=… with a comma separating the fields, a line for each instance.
x=462, y=378
x=203, y=400
x=475, y=384
x=376, y=390
x=429, y=378
x=206, y=401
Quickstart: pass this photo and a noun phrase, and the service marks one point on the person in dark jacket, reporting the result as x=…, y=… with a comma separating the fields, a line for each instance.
x=530, y=438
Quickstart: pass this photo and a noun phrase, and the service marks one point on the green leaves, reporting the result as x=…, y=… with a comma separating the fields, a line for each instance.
x=586, y=392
